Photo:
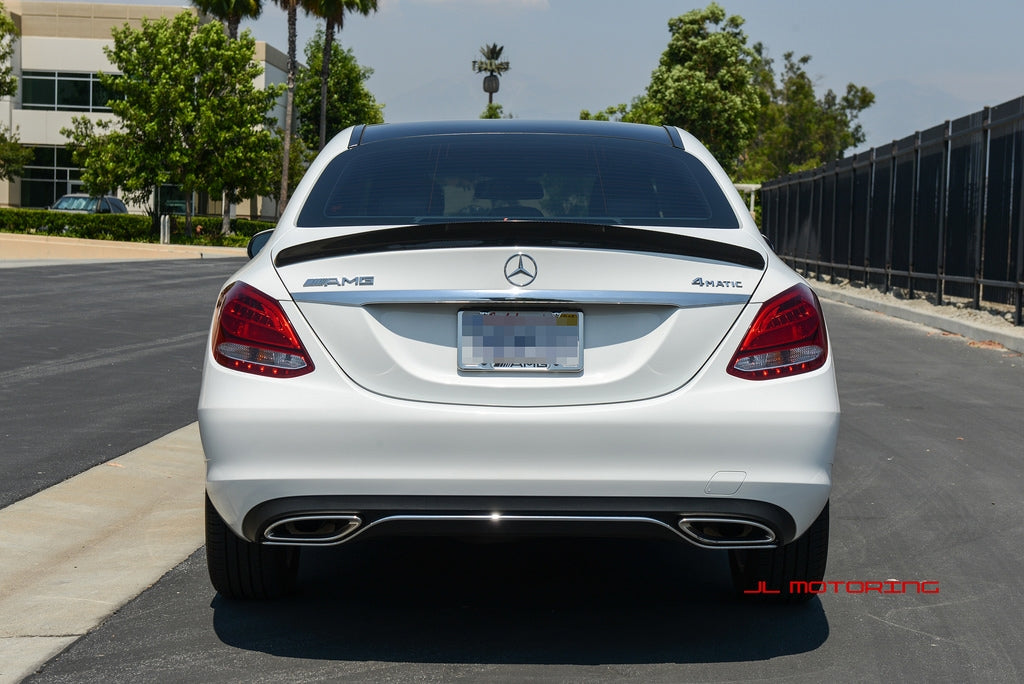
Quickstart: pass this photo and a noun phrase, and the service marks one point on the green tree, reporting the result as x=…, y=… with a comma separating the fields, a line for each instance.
x=797, y=130
x=299, y=159
x=348, y=101
x=231, y=12
x=333, y=14
x=705, y=82
x=493, y=66
x=13, y=156
x=494, y=111
x=186, y=111
x=109, y=160
x=639, y=111
x=711, y=83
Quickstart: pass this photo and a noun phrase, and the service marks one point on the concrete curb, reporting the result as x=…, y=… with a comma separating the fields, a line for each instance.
x=1008, y=335
x=18, y=247
x=78, y=551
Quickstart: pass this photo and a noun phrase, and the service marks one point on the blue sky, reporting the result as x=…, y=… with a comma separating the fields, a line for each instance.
x=926, y=61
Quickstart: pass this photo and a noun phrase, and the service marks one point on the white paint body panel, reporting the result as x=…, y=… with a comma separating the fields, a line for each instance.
x=409, y=351
x=340, y=439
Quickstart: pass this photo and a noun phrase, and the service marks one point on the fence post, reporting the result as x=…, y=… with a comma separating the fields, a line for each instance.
x=1018, y=293
x=819, y=182
x=890, y=216
x=947, y=150
x=914, y=198
x=834, y=170
x=869, y=214
x=981, y=222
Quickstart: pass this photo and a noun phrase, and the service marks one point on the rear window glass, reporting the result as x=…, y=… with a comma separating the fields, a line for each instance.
x=76, y=203
x=479, y=177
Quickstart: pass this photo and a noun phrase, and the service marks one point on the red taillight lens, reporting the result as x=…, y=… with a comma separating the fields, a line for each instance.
x=786, y=338
x=255, y=336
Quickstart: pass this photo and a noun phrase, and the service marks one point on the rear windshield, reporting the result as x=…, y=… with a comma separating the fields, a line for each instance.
x=480, y=177
x=76, y=203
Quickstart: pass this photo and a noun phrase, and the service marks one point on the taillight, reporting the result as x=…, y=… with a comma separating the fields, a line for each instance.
x=254, y=335
x=786, y=338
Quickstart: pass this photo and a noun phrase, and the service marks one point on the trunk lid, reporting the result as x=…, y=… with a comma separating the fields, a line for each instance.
x=649, y=307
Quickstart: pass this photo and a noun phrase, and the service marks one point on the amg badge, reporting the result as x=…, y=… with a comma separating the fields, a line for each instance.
x=358, y=281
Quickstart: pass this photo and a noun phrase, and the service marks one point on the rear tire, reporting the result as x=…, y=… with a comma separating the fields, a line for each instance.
x=770, y=574
x=241, y=569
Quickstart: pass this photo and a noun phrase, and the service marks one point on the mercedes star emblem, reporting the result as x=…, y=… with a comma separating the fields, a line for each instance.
x=520, y=270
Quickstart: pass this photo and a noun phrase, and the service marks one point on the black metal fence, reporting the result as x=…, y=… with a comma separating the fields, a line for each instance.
x=941, y=212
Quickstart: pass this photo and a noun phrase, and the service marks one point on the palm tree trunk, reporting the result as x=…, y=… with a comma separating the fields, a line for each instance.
x=325, y=72
x=225, y=229
x=225, y=222
x=289, y=106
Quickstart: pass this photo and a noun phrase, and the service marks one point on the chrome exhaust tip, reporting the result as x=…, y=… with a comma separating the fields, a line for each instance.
x=725, y=532
x=311, y=530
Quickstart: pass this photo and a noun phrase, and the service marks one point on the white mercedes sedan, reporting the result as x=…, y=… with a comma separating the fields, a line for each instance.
x=511, y=327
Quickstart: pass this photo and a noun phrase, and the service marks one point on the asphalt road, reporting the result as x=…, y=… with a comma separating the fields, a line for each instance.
x=97, y=359
x=927, y=488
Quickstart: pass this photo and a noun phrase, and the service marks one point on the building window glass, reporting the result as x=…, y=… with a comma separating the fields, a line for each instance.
x=63, y=91
x=38, y=93
x=48, y=176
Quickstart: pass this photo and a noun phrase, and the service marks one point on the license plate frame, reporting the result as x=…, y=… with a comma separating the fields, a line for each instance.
x=506, y=340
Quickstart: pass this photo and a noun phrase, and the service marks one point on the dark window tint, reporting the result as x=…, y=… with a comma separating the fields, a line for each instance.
x=73, y=94
x=38, y=90
x=100, y=96
x=475, y=177
x=63, y=91
x=48, y=175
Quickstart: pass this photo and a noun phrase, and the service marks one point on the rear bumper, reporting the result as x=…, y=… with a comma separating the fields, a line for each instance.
x=714, y=450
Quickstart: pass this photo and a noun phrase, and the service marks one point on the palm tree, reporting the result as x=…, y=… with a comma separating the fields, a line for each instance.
x=231, y=12
x=291, y=7
x=491, y=65
x=333, y=12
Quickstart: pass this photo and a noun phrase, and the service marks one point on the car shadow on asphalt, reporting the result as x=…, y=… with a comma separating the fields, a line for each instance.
x=548, y=601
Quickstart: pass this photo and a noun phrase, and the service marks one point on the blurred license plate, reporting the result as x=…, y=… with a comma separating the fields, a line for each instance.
x=545, y=341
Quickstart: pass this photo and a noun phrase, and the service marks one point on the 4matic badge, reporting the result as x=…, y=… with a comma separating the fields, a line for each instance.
x=700, y=282
x=357, y=281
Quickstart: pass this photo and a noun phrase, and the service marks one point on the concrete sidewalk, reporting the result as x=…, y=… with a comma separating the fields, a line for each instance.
x=78, y=551
x=983, y=328
x=19, y=249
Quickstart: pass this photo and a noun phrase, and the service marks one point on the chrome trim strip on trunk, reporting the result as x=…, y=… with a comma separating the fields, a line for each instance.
x=680, y=300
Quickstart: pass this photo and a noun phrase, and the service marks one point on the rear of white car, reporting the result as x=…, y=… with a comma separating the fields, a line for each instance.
x=517, y=328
